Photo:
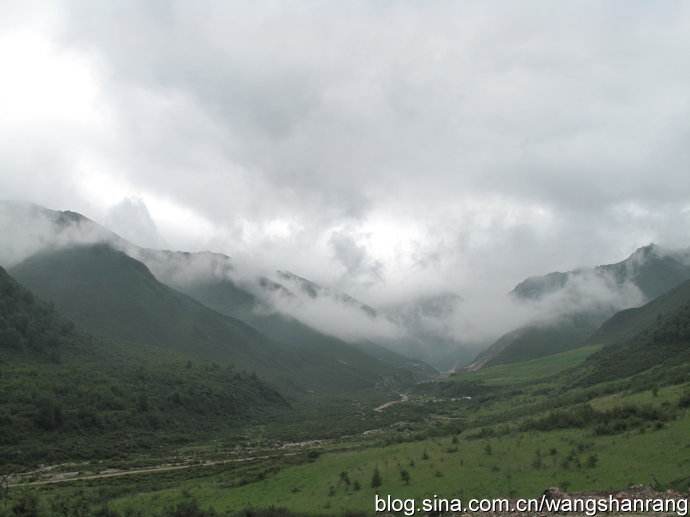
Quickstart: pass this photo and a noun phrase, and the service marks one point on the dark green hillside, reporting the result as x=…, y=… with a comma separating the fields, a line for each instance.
x=114, y=296
x=140, y=308
x=27, y=324
x=369, y=359
x=68, y=395
x=626, y=324
x=655, y=334
x=535, y=341
x=207, y=278
x=222, y=295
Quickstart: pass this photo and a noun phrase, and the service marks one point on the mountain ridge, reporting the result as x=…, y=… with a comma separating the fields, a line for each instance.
x=114, y=296
x=209, y=276
x=651, y=270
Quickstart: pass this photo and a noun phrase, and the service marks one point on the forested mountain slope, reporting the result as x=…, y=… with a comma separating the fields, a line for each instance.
x=68, y=394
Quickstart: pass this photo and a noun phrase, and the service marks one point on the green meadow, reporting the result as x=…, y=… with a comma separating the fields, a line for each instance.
x=520, y=461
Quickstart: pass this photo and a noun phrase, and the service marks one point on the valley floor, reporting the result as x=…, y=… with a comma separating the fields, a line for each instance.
x=452, y=448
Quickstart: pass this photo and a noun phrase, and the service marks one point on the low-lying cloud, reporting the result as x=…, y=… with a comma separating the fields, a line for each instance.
x=438, y=326
x=393, y=151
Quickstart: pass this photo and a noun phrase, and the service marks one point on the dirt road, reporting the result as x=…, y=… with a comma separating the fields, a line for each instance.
x=65, y=477
x=404, y=397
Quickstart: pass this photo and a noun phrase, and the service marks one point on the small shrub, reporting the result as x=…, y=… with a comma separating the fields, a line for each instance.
x=684, y=401
x=376, y=479
x=592, y=461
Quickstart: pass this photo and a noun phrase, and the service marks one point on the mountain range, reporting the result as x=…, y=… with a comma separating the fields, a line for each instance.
x=279, y=306
x=190, y=303
x=102, y=338
x=575, y=303
x=274, y=301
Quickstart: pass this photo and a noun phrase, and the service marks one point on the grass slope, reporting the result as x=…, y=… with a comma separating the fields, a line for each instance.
x=529, y=372
x=628, y=323
x=519, y=464
x=655, y=335
x=535, y=341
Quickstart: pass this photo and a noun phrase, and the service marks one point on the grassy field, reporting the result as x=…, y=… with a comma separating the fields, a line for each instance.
x=511, y=438
x=523, y=464
x=530, y=372
x=335, y=477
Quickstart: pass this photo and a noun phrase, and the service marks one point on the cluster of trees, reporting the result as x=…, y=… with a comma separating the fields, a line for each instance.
x=98, y=402
x=611, y=421
x=576, y=458
x=28, y=323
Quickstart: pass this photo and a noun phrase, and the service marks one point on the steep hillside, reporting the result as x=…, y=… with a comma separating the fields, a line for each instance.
x=67, y=394
x=112, y=295
x=211, y=278
x=628, y=323
x=226, y=297
x=649, y=272
x=533, y=341
x=655, y=334
x=28, y=325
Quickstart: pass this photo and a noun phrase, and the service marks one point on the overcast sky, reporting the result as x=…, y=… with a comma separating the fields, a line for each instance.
x=386, y=148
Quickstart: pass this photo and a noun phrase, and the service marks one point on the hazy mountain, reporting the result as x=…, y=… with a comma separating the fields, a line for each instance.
x=573, y=304
x=110, y=294
x=227, y=298
x=652, y=269
x=314, y=291
x=113, y=295
x=537, y=340
x=211, y=279
x=428, y=336
x=28, y=229
x=287, y=307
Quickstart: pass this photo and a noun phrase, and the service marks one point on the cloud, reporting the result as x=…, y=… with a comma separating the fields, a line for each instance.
x=334, y=317
x=354, y=258
x=131, y=219
x=28, y=229
x=394, y=150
